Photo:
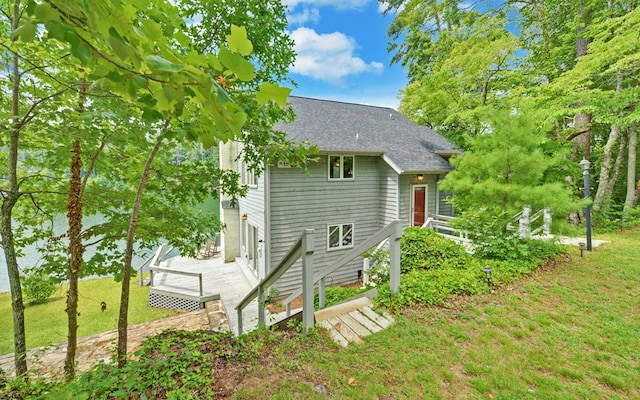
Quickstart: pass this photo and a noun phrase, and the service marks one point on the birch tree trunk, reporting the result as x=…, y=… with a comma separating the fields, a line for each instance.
x=606, y=182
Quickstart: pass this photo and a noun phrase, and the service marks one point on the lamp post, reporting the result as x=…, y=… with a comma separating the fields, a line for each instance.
x=584, y=164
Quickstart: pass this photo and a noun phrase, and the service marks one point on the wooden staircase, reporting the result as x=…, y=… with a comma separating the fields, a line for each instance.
x=349, y=322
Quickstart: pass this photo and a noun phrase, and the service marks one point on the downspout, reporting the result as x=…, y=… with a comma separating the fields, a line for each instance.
x=266, y=245
x=437, y=196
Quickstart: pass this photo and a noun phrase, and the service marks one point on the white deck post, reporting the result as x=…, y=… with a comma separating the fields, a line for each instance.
x=395, y=257
x=322, y=297
x=308, y=247
x=366, y=265
x=546, y=224
x=525, y=222
x=239, y=321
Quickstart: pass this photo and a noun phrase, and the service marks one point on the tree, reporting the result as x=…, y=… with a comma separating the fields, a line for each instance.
x=512, y=165
x=140, y=55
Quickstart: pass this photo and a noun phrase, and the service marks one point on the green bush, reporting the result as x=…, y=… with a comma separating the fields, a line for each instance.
x=38, y=286
x=424, y=249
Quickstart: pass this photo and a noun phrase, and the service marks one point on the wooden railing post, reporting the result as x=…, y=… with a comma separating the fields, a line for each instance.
x=239, y=321
x=200, y=282
x=525, y=222
x=546, y=224
x=322, y=296
x=308, y=247
x=395, y=257
x=261, y=306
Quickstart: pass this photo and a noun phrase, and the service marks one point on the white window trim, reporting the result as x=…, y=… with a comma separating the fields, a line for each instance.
x=249, y=177
x=353, y=172
x=341, y=233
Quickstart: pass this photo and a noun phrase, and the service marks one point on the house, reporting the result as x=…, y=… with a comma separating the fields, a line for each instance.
x=374, y=166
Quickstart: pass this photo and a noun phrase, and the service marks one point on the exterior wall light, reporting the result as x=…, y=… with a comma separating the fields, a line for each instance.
x=244, y=217
x=419, y=177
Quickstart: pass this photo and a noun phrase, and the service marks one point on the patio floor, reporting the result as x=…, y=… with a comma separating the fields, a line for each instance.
x=230, y=281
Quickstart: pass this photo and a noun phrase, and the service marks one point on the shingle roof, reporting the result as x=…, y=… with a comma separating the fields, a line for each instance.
x=345, y=127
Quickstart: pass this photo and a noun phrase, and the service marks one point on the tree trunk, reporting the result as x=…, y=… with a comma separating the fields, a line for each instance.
x=76, y=251
x=582, y=121
x=630, y=199
x=128, y=256
x=606, y=183
x=9, y=200
x=76, y=248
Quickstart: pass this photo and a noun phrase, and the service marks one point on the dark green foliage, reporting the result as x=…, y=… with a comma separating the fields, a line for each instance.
x=37, y=286
x=172, y=365
x=508, y=247
x=425, y=249
x=434, y=269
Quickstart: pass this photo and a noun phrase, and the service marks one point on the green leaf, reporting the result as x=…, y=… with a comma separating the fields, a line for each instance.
x=45, y=12
x=160, y=64
x=238, y=40
x=79, y=49
x=26, y=32
x=242, y=68
x=273, y=92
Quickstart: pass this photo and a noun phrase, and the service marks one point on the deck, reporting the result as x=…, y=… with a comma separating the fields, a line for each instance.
x=229, y=282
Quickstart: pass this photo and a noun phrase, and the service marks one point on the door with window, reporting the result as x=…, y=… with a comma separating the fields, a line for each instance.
x=418, y=205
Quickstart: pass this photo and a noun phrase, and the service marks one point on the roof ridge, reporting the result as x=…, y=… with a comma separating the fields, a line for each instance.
x=344, y=102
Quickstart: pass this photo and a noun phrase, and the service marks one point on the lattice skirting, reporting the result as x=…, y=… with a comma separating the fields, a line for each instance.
x=158, y=300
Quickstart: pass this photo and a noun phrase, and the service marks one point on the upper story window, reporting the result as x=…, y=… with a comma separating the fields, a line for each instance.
x=340, y=167
x=248, y=176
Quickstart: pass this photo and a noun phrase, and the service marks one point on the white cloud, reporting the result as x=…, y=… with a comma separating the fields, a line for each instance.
x=306, y=15
x=337, y=4
x=328, y=57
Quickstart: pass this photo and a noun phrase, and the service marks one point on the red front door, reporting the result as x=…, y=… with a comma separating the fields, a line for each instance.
x=419, y=205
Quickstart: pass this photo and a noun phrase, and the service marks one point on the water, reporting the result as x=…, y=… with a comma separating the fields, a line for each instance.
x=33, y=258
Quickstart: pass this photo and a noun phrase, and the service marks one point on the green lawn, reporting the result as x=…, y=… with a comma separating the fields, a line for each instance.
x=565, y=332
x=46, y=324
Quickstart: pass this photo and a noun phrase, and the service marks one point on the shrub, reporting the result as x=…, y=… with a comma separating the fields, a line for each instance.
x=425, y=249
x=38, y=286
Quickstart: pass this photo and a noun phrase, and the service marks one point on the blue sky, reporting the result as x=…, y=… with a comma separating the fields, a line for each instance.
x=342, y=52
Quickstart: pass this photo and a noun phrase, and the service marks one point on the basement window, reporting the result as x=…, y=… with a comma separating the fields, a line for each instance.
x=339, y=236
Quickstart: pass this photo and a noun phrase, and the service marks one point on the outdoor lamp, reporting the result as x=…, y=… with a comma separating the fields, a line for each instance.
x=420, y=177
x=244, y=217
x=487, y=273
x=582, y=246
x=584, y=165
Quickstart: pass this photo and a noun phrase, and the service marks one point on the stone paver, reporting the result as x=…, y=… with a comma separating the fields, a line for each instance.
x=48, y=362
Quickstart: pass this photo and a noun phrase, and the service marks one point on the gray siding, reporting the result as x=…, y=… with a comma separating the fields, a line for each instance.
x=309, y=201
x=446, y=208
x=389, y=194
x=253, y=205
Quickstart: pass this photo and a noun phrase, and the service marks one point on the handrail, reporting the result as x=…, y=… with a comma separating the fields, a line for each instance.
x=393, y=230
x=302, y=247
x=176, y=272
x=158, y=256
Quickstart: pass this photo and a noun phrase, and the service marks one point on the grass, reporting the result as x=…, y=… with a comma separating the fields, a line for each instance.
x=46, y=324
x=567, y=331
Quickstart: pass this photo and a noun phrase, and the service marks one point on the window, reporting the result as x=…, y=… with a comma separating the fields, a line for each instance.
x=340, y=167
x=248, y=176
x=339, y=236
